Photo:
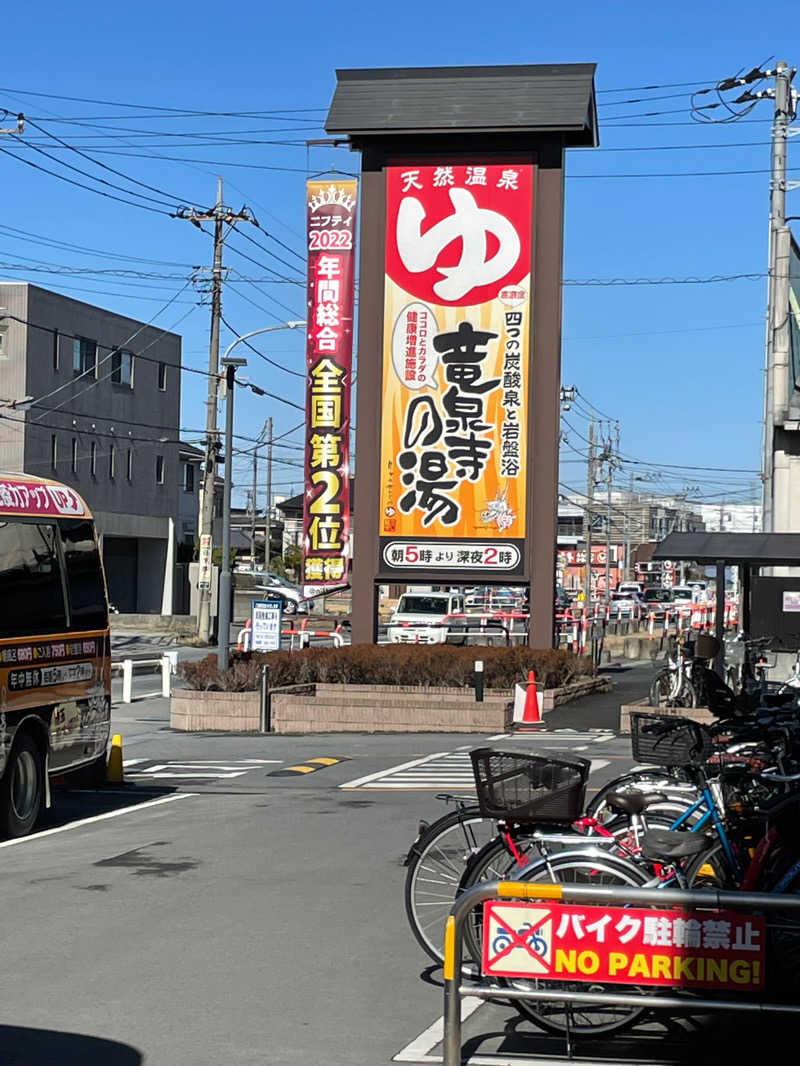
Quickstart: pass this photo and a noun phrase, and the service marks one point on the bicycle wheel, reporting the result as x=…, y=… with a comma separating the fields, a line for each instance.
x=435, y=868
x=497, y=862
x=661, y=695
x=680, y=794
x=783, y=933
x=571, y=867
x=494, y=862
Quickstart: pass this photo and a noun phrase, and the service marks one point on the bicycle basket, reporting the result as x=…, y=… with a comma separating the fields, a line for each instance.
x=519, y=787
x=669, y=740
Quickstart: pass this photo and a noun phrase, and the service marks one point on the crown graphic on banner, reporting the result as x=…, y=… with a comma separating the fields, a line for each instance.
x=333, y=194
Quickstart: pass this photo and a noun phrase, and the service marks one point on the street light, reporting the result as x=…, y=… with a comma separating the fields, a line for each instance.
x=231, y=364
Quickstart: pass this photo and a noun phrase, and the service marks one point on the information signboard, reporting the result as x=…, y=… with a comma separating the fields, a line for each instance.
x=265, y=621
x=456, y=365
x=204, y=576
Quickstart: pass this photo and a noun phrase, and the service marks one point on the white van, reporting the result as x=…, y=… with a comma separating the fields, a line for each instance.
x=629, y=586
x=419, y=617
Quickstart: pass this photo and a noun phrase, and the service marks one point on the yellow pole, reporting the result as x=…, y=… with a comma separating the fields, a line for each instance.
x=115, y=770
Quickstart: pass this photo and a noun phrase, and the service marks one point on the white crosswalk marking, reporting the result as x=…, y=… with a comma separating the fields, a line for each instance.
x=447, y=770
x=195, y=769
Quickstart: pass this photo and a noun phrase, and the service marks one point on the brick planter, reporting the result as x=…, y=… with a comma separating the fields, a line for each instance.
x=363, y=709
x=697, y=714
x=229, y=712
x=390, y=709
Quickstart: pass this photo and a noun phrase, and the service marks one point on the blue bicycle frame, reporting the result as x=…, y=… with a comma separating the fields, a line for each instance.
x=711, y=814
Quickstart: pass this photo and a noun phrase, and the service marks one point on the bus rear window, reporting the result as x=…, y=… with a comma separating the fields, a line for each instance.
x=87, y=592
x=31, y=593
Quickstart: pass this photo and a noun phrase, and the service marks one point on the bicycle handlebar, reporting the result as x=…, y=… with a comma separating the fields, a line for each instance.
x=770, y=776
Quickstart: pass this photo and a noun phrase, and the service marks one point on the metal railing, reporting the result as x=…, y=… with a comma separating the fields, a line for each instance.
x=167, y=664
x=626, y=895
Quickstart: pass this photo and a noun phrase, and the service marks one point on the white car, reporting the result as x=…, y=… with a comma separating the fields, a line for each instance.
x=421, y=617
x=681, y=595
x=624, y=605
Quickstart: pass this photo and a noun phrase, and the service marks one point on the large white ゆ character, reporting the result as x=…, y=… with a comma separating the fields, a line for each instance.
x=471, y=223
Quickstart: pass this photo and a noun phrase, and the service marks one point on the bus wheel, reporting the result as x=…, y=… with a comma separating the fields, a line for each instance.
x=21, y=789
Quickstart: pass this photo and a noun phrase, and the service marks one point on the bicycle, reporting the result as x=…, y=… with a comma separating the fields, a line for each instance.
x=434, y=866
x=681, y=858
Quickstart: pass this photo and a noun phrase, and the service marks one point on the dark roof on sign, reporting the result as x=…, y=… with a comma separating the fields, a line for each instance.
x=755, y=549
x=388, y=101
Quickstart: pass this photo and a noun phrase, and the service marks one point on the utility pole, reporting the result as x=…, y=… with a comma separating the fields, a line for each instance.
x=777, y=387
x=268, y=507
x=255, y=499
x=587, y=535
x=220, y=214
x=609, y=457
x=609, y=460
x=628, y=522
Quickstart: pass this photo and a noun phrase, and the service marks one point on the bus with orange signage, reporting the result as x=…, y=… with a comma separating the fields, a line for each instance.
x=55, y=647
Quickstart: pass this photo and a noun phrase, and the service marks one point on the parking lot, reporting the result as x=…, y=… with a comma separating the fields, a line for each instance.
x=223, y=907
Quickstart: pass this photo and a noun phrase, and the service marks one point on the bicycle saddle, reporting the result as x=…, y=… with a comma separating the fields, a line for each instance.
x=633, y=802
x=661, y=844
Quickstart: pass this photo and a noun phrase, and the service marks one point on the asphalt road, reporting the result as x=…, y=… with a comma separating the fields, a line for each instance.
x=219, y=910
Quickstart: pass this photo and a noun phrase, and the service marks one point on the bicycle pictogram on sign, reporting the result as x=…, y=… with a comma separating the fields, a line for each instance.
x=509, y=944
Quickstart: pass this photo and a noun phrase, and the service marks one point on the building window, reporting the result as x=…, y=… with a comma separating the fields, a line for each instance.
x=53, y=451
x=3, y=340
x=122, y=368
x=74, y=455
x=130, y=464
x=93, y=459
x=84, y=356
x=56, y=360
x=112, y=462
x=188, y=477
x=159, y=469
x=162, y=376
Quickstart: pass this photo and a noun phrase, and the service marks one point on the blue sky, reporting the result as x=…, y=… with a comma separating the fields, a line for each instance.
x=680, y=366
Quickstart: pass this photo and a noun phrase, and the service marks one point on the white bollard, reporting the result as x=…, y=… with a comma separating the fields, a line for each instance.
x=166, y=670
x=173, y=661
x=127, y=680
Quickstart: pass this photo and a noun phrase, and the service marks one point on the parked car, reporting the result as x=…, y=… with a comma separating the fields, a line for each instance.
x=294, y=599
x=657, y=601
x=681, y=595
x=422, y=618
x=624, y=605
x=630, y=586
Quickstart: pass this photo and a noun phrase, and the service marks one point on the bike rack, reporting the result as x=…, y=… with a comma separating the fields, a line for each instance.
x=454, y=991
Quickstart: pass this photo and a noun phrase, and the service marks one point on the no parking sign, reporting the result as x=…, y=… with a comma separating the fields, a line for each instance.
x=626, y=945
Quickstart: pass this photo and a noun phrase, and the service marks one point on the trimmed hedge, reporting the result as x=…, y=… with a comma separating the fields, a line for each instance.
x=440, y=665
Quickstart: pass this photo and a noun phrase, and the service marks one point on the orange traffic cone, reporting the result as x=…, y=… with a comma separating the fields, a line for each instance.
x=531, y=714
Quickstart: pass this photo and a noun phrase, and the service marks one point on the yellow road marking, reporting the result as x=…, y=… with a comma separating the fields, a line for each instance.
x=302, y=769
x=325, y=760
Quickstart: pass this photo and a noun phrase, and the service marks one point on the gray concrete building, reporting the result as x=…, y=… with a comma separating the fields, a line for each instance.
x=96, y=404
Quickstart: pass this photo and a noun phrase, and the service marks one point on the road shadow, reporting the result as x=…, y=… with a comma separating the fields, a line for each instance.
x=45, y=1047
x=73, y=804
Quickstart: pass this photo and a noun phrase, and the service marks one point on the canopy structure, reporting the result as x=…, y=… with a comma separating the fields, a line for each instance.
x=734, y=549
x=766, y=610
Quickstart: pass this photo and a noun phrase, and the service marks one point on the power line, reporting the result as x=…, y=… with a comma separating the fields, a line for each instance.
x=104, y=166
x=247, y=237
x=37, y=238
x=713, y=279
x=261, y=355
x=156, y=107
x=81, y=185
